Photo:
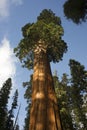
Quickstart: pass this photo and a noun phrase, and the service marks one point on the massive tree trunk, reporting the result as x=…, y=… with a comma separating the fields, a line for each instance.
x=44, y=113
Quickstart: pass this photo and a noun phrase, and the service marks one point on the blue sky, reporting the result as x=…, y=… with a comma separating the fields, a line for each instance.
x=16, y=13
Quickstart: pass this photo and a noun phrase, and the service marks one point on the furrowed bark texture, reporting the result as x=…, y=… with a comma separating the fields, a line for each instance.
x=44, y=113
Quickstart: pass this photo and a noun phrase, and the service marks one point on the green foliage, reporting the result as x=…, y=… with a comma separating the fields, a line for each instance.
x=76, y=10
x=78, y=89
x=10, y=118
x=4, y=96
x=27, y=119
x=63, y=95
x=48, y=29
x=15, y=98
x=79, y=75
x=6, y=117
x=48, y=16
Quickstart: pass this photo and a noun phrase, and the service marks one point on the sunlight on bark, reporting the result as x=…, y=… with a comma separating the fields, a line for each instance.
x=40, y=96
x=44, y=113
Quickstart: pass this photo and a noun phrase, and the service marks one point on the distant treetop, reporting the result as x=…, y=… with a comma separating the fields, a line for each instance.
x=76, y=10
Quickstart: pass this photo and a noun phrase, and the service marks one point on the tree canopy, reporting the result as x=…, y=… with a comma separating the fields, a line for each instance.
x=76, y=10
x=46, y=29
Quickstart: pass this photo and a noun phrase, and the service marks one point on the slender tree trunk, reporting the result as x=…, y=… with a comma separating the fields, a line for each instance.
x=44, y=113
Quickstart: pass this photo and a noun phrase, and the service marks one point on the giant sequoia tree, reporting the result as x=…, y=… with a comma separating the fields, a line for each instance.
x=42, y=43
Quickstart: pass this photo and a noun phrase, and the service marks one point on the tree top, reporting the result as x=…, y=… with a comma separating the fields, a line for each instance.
x=48, y=29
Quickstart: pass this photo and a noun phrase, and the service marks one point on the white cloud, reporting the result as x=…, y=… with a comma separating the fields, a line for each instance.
x=17, y=2
x=5, y=7
x=7, y=61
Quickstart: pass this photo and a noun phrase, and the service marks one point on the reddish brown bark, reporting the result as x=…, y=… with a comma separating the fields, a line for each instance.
x=44, y=113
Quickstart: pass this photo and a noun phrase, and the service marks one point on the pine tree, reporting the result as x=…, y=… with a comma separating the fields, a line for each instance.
x=4, y=96
x=42, y=43
x=63, y=95
x=78, y=89
x=10, y=121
